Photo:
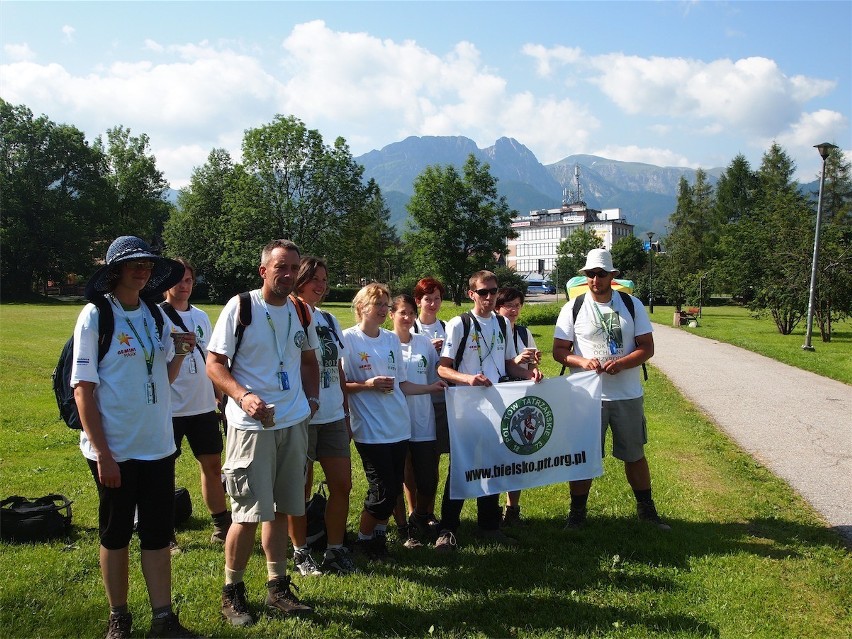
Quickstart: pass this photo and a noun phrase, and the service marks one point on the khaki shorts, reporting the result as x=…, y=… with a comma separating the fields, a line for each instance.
x=328, y=440
x=626, y=418
x=265, y=472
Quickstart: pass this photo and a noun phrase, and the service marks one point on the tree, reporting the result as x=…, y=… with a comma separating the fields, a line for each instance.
x=782, y=231
x=458, y=223
x=53, y=190
x=136, y=204
x=736, y=194
x=834, y=269
x=572, y=251
x=629, y=256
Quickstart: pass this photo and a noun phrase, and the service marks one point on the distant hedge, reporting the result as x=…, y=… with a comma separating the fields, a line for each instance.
x=341, y=294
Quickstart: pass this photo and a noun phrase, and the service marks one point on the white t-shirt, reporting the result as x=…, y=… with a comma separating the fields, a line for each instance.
x=192, y=391
x=485, y=350
x=377, y=418
x=328, y=354
x=606, y=331
x=435, y=330
x=134, y=429
x=259, y=362
x=519, y=343
x=420, y=360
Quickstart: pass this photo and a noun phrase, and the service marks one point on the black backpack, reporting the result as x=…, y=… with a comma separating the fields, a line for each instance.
x=468, y=318
x=172, y=314
x=417, y=326
x=244, y=318
x=62, y=373
x=628, y=302
x=47, y=517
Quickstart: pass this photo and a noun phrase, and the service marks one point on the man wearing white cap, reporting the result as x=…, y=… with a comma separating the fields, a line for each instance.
x=611, y=334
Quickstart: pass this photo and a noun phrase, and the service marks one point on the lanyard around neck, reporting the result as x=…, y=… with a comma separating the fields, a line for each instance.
x=278, y=346
x=149, y=357
x=478, y=330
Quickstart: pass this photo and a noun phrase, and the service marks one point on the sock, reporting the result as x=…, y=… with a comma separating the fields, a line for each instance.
x=578, y=502
x=643, y=496
x=276, y=569
x=301, y=550
x=363, y=537
x=381, y=529
x=162, y=612
x=234, y=576
x=221, y=519
x=334, y=547
x=119, y=610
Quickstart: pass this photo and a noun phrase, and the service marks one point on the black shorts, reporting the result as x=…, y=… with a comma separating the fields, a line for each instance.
x=442, y=428
x=424, y=462
x=201, y=431
x=384, y=467
x=146, y=486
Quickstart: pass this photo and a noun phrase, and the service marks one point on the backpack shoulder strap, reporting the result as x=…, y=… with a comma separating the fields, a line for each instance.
x=628, y=302
x=416, y=326
x=501, y=322
x=443, y=324
x=177, y=320
x=466, y=318
x=106, y=324
x=578, y=304
x=156, y=314
x=329, y=319
x=243, y=320
x=302, y=311
x=522, y=332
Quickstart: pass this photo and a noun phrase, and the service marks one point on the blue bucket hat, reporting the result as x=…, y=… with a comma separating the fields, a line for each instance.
x=165, y=274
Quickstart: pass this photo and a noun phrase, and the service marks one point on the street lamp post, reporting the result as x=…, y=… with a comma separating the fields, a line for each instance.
x=650, y=235
x=824, y=149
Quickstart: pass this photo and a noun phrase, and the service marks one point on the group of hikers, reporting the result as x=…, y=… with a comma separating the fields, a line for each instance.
x=293, y=388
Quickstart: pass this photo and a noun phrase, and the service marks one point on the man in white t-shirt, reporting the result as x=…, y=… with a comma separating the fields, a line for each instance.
x=488, y=356
x=273, y=384
x=605, y=336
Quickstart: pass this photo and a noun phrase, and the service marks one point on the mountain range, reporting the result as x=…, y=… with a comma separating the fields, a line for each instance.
x=646, y=194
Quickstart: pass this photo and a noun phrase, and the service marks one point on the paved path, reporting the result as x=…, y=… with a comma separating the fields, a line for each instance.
x=796, y=423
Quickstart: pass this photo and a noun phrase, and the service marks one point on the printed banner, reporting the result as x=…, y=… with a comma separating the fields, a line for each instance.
x=520, y=434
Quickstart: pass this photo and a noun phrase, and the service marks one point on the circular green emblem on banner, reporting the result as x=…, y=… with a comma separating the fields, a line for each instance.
x=527, y=425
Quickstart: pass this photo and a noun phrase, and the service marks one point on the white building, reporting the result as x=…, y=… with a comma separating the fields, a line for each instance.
x=541, y=232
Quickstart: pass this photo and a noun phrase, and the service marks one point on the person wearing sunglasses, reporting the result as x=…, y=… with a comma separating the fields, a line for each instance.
x=488, y=356
x=606, y=338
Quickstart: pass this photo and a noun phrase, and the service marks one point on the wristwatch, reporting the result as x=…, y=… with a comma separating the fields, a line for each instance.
x=314, y=400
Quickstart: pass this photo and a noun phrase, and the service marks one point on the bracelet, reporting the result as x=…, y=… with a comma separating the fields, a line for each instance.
x=345, y=415
x=246, y=394
x=314, y=400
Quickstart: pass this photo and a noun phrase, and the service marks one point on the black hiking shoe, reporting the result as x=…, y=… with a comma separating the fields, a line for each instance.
x=647, y=512
x=512, y=517
x=169, y=626
x=576, y=519
x=119, y=626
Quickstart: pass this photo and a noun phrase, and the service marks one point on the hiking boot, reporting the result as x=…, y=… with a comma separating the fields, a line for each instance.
x=496, y=536
x=234, y=605
x=407, y=537
x=220, y=531
x=647, y=512
x=337, y=562
x=446, y=542
x=280, y=597
x=427, y=526
x=169, y=626
x=576, y=519
x=306, y=565
x=380, y=547
x=512, y=517
x=119, y=625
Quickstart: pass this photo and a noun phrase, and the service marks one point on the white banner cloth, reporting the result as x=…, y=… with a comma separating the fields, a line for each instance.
x=519, y=435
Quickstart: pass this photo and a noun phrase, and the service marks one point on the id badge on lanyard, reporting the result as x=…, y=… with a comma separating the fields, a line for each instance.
x=283, y=381
x=151, y=391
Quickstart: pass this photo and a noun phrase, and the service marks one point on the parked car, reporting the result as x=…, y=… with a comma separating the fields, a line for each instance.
x=535, y=288
x=549, y=288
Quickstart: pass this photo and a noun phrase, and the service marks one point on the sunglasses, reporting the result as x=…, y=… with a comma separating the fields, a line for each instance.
x=484, y=292
x=140, y=264
x=599, y=274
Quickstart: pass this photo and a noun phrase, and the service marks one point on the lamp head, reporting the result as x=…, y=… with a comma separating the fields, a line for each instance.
x=824, y=149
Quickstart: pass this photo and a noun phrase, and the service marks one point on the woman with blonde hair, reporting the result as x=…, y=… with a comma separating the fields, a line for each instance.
x=376, y=382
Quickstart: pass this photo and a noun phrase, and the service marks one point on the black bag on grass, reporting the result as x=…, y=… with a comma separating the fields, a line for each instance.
x=315, y=510
x=39, y=519
x=183, y=506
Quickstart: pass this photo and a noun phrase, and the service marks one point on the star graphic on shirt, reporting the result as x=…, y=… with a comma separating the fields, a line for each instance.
x=124, y=338
x=364, y=356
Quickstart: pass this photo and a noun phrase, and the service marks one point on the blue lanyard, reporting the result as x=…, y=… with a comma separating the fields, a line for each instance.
x=149, y=357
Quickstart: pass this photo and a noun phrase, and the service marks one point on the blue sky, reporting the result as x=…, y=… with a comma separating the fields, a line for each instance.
x=668, y=83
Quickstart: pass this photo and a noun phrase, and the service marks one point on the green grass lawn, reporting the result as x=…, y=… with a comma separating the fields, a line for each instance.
x=735, y=325
x=746, y=557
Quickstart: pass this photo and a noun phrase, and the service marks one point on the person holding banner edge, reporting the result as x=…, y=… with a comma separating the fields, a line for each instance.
x=604, y=336
x=488, y=357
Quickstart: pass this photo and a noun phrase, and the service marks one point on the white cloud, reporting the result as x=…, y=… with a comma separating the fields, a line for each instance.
x=68, y=33
x=19, y=52
x=153, y=45
x=647, y=155
x=546, y=58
